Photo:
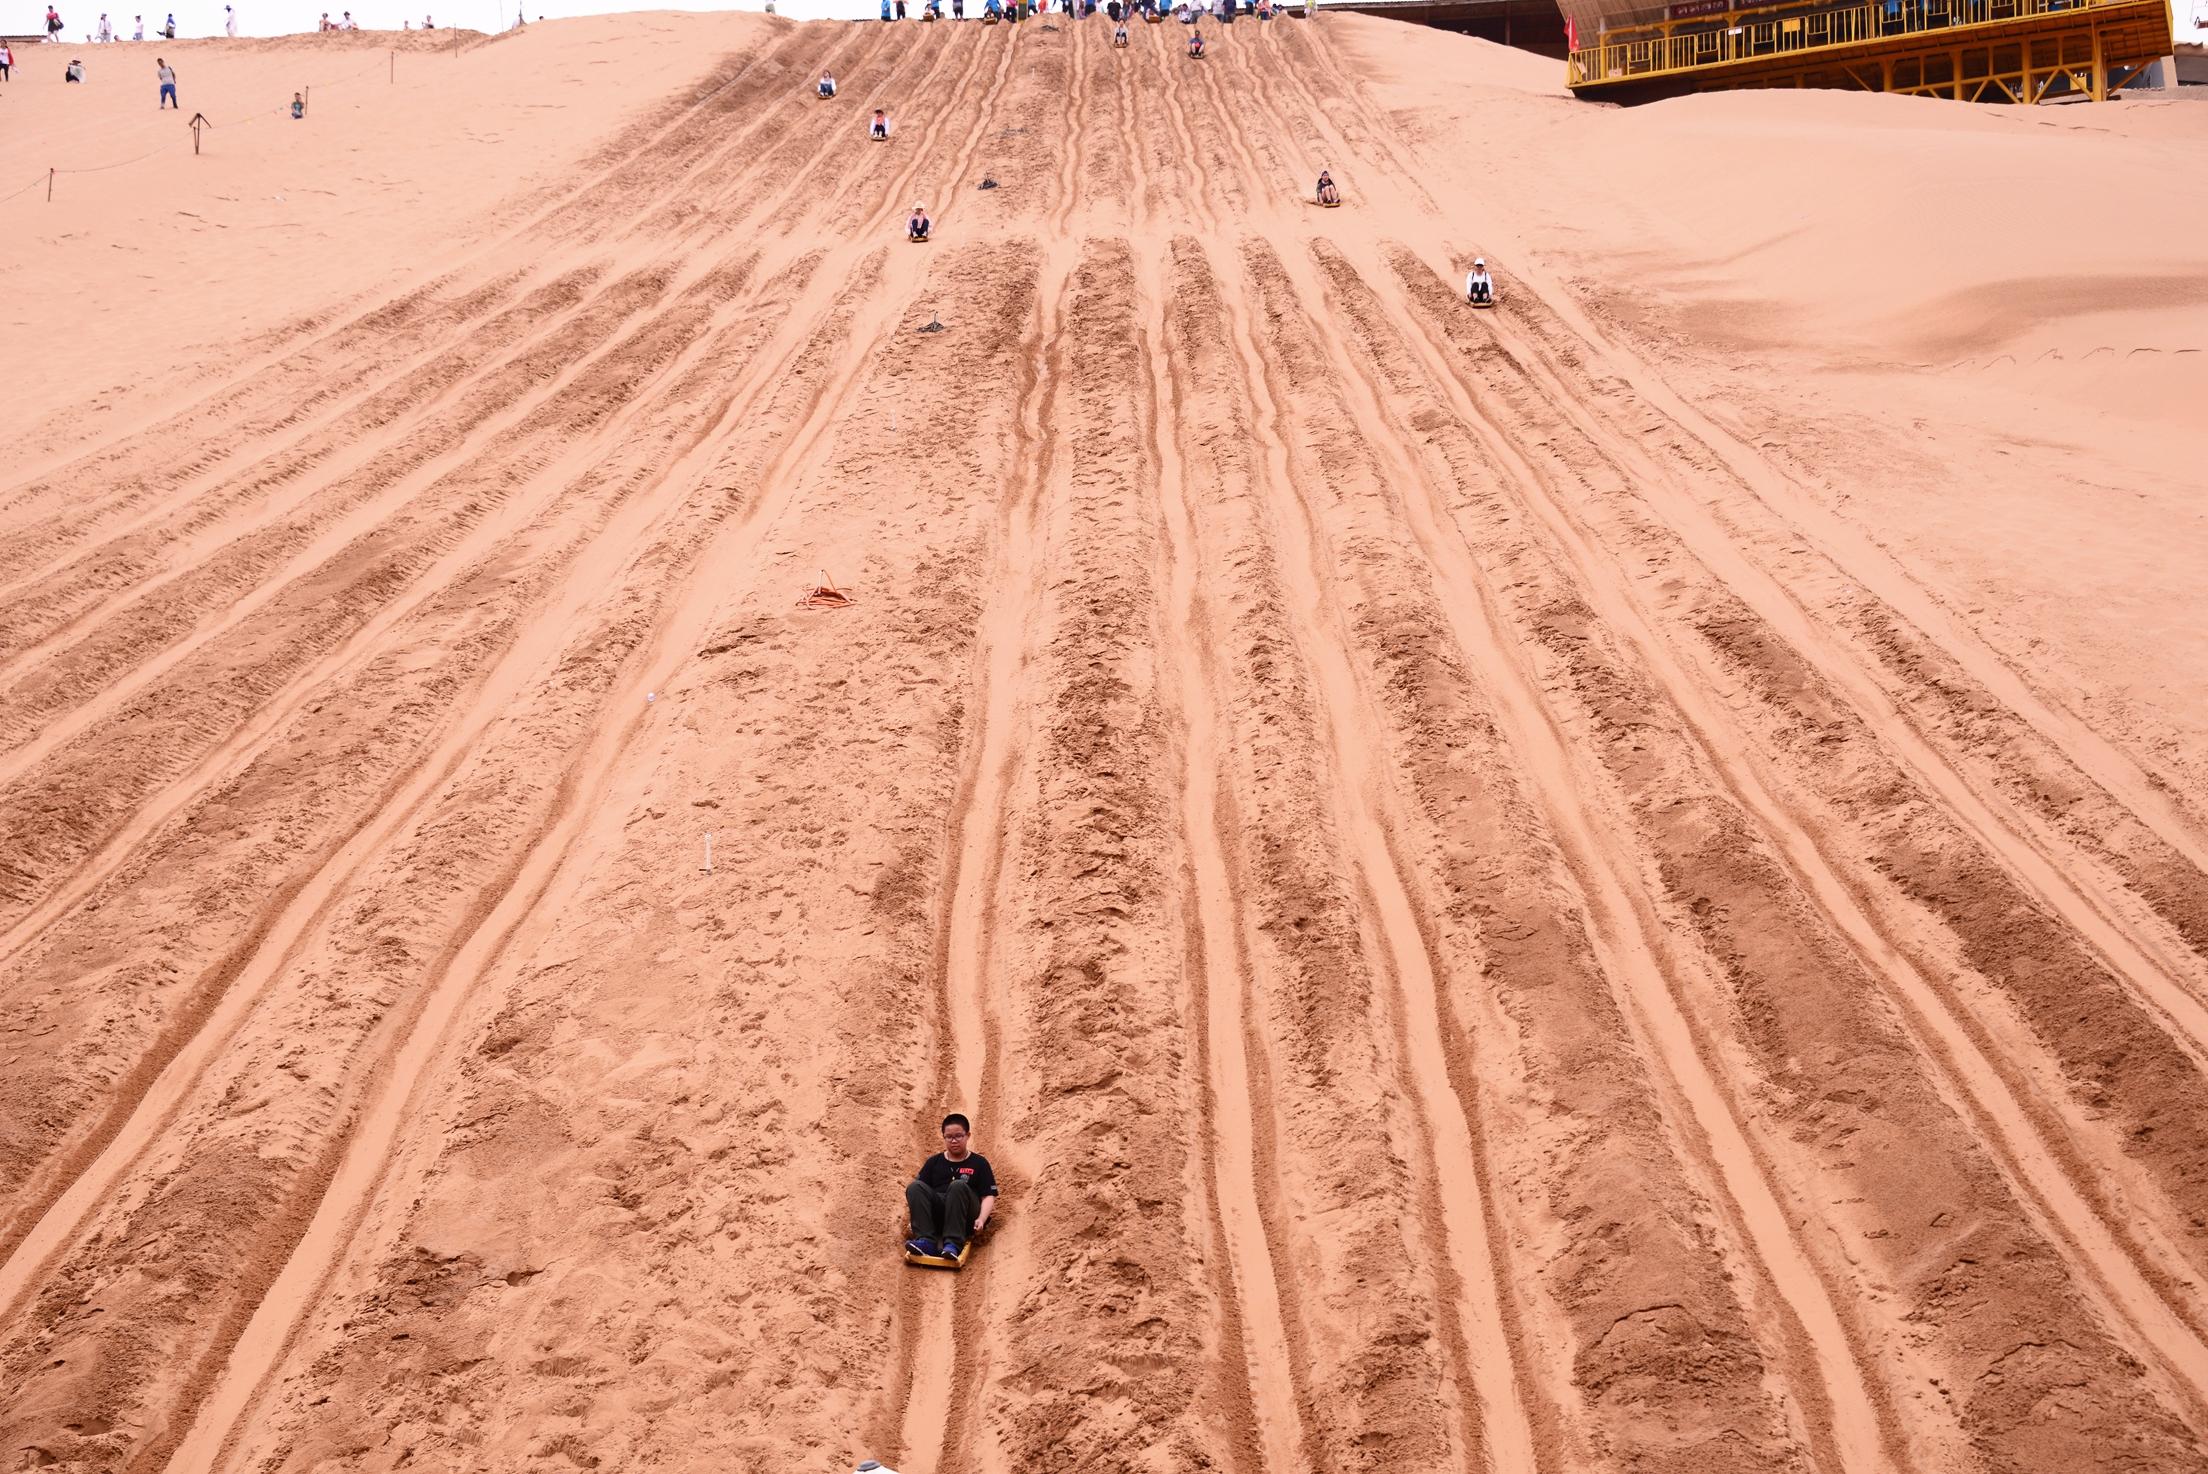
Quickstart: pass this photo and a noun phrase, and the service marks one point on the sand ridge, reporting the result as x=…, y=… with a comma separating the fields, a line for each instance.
x=1497, y=895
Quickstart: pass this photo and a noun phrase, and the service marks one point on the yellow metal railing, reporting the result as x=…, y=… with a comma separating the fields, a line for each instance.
x=1739, y=37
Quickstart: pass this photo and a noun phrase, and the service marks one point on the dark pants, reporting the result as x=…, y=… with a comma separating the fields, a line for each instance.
x=948, y=1214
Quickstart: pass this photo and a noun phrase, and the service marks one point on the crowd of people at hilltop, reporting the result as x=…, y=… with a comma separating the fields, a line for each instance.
x=1188, y=12
x=106, y=30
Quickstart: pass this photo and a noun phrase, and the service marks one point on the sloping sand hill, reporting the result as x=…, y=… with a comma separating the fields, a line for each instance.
x=1617, y=884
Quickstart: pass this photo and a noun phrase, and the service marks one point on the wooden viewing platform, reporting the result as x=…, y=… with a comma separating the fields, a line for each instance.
x=1976, y=50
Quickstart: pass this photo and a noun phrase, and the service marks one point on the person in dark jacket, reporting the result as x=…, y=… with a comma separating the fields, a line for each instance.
x=951, y=1198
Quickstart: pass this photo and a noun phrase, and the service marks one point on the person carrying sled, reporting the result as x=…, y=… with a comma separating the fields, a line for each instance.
x=1479, y=287
x=952, y=1196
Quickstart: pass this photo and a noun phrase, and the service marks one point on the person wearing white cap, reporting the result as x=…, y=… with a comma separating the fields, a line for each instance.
x=1479, y=287
x=918, y=226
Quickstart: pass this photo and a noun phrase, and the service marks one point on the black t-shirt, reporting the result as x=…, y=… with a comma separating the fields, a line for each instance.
x=939, y=1171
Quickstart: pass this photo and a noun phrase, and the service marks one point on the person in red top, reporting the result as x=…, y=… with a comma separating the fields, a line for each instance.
x=952, y=1197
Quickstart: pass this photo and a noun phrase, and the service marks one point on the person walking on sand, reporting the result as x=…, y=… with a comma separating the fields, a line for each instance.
x=7, y=60
x=107, y=32
x=167, y=74
x=53, y=24
x=229, y=22
x=137, y=28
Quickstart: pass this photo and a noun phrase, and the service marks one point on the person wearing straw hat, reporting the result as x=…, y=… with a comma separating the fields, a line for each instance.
x=917, y=228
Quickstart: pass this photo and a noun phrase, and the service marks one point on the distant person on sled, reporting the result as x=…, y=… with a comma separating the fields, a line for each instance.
x=877, y=127
x=918, y=226
x=1479, y=287
x=952, y=1197
x=827, y=84
x=1328, y=194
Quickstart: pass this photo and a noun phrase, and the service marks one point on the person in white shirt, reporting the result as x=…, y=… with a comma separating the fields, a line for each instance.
x=229, y=21
x=138, y=28
x=1479, y=287
x=107, y=32
x=827, y=84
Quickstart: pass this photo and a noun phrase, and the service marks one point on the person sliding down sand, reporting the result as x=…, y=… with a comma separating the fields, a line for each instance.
x=1119, y=37
x=1196, y=44
x=827, y=85
x=953, y=1195
x=918, y=226
x=1328, y=194
x=1479, y=287
x=878, y=129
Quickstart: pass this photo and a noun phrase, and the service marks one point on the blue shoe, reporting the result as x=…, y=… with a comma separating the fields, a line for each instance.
x=925, y=1248
x=950, y=1248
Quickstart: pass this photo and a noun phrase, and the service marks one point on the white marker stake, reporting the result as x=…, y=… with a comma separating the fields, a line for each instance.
x=707, y=867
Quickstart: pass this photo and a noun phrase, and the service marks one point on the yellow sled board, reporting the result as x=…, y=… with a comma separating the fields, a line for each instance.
x=937, y=1261
x=1330, y=204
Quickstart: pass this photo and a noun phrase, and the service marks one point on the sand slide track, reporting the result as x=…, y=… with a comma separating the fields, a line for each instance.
x=1729, y=943
x=1621, y=933
x=647, y=628
x=271, y=789
x=599, y=509
x=261, y=1345
x=1995, y=1092
x=2054, y=880
x=1265, y=1342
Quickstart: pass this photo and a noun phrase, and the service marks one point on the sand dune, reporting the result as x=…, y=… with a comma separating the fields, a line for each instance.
x=1615, y=884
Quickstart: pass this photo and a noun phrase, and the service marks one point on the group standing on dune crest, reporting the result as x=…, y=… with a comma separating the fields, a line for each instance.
x=1188, y=12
